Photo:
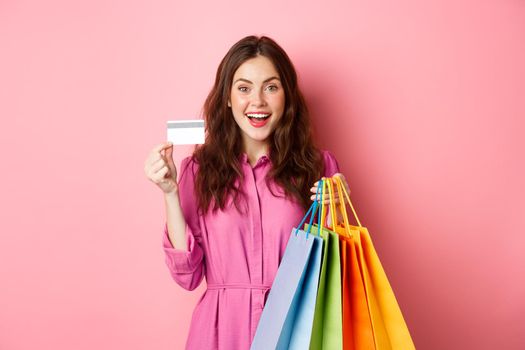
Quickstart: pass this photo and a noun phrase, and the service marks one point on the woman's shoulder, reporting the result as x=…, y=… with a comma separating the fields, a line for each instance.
x=188, y=166
x=327, y=156
x=331, y=165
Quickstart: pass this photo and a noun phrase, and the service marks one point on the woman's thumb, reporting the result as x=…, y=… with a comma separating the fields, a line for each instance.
x=169, y=150
x=169, y=156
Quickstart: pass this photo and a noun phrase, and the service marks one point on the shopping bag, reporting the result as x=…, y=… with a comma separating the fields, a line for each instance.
x=357, y=325
x=327, y=328
x=389, y=329
x=287, y=317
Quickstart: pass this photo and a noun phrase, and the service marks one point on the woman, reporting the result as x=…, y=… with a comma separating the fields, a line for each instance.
x=239, y=195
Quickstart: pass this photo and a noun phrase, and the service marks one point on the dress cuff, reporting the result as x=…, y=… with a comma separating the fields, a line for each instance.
x=180, y=260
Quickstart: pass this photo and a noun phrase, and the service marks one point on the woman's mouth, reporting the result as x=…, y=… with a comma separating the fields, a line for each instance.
x=258, y=120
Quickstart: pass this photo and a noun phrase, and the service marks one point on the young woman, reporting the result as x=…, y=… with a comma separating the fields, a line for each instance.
x=240, y=194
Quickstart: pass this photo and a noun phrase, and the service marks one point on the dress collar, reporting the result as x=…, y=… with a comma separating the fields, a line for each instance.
x=263, y=159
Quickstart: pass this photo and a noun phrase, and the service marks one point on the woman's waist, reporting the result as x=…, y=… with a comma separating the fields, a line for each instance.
x=238, y=285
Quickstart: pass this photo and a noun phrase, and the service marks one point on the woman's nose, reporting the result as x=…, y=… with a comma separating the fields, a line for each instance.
x=258, y=98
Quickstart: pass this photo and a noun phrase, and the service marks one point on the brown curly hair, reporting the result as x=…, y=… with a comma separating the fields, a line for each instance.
x=296, y=161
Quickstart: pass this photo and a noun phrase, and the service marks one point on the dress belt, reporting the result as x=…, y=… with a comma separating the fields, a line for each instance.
x=238, y=286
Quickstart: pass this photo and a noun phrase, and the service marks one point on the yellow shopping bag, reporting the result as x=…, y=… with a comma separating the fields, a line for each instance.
x=389, y=329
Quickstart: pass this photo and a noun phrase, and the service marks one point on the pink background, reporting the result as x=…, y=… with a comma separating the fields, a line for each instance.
x=421, y=102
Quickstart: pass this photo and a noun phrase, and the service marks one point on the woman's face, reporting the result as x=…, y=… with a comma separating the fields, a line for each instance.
x=257, y=99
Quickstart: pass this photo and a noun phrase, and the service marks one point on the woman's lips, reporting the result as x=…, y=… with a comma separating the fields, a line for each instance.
x=258, y=123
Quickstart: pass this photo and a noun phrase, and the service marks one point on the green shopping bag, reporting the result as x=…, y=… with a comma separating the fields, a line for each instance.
x=327, y=330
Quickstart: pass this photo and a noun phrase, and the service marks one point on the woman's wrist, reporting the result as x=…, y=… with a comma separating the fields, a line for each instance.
x=173, y=194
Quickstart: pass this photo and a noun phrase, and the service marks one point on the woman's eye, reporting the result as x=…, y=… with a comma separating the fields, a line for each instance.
x=272, y=87
x=243, y=88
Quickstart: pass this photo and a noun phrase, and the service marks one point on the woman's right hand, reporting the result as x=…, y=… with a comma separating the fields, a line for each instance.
x=160, y=168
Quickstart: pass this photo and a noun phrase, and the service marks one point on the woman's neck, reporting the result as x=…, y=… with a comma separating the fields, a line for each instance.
x=255, y=150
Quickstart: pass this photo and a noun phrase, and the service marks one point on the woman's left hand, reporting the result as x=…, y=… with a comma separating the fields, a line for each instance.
x=336, y=194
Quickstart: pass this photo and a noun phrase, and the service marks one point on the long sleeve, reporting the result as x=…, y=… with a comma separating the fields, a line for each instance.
x=187, y=267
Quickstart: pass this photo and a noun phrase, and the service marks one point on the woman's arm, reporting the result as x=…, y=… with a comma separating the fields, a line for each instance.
x=175, y=220
x=182, y=234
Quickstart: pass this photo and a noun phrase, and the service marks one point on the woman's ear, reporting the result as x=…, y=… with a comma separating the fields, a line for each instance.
x=229, y=104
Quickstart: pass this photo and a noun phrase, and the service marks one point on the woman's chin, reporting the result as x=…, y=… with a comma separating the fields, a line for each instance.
x=261, y=136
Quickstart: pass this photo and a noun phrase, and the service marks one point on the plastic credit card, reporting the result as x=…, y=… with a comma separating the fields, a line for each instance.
x=186, y=132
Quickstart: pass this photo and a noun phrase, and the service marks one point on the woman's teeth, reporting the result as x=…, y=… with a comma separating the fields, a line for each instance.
x=257, y=116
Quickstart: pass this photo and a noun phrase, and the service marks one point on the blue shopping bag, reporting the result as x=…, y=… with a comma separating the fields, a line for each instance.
x=287, y=318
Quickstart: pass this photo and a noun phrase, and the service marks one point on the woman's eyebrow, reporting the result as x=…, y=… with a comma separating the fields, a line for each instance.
x=247, y=81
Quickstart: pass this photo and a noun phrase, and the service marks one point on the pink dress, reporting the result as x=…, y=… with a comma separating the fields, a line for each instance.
x=238, y=254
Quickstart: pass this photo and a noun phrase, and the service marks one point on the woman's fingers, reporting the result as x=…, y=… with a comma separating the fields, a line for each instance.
x=159, y=175
x=315, y=186
x=157, y=165
x=343, y=180
x=155, y=154
x=162, y=146
x=326, y=198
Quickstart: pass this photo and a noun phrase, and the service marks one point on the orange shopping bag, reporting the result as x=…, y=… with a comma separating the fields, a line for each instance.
x=357, y=326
